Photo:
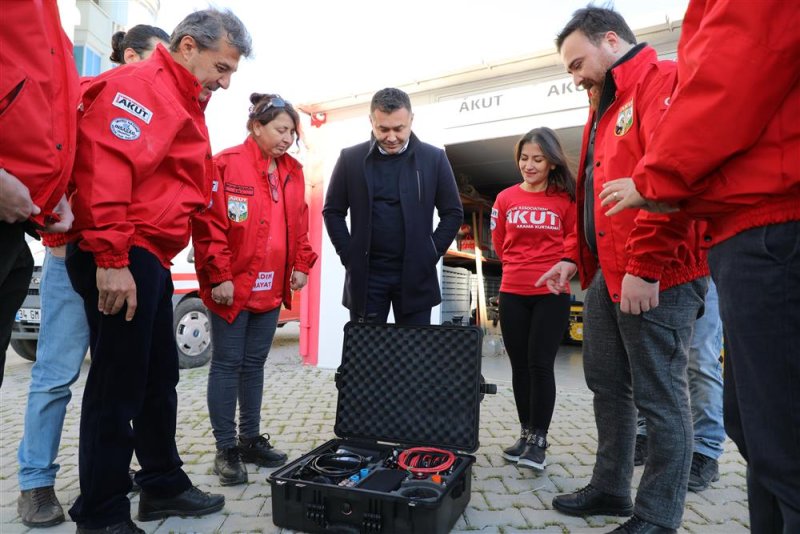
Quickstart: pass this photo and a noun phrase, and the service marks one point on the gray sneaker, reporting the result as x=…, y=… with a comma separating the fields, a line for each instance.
x=704, y=471
x=39, y=507
x=512, y=453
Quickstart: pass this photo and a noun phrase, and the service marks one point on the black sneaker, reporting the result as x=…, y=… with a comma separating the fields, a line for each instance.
x=123, y=527
x=39, y=507
x=640, y=452
x=259, y=451
x=512, y=453
x=704, y=471
x=229, y=467
x=533, y=455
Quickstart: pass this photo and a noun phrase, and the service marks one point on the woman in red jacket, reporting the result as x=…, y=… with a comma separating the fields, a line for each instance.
x=533, y=225
x=252, y=251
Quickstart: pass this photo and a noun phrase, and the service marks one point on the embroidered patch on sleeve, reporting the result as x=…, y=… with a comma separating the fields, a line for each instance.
x=133, y=107
x=125, y=129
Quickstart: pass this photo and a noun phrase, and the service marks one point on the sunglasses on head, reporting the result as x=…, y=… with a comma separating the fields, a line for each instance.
x=274, y=102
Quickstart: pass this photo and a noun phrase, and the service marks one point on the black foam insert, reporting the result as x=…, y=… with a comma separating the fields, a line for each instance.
x=412, y=385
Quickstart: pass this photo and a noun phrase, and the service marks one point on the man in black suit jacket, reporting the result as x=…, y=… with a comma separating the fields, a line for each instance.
x=391, y=185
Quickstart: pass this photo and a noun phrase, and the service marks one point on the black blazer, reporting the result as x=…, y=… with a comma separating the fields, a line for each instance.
x=426, y=181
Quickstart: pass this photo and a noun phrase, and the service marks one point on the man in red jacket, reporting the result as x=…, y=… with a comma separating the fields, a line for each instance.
x=38, y=99
x=728, y=152
x=142, y=169
x=646, y=282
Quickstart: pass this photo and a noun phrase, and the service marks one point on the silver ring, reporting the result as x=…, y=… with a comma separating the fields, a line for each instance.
x=614, y=195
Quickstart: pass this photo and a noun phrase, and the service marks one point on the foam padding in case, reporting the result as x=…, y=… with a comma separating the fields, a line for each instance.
x=413, y=385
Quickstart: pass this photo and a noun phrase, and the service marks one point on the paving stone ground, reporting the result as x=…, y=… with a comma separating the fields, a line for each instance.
x=299, y=410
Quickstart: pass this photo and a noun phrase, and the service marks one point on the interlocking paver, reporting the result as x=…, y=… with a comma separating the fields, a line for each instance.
x=299, y=412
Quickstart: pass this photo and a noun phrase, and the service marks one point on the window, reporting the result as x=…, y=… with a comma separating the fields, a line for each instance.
x=87, y=61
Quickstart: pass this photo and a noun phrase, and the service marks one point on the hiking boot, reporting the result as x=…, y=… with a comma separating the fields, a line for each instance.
x=259, y=451
x=637, y=525
x=191, y=502
x=39, y=507
x=533, y=455
x=592, y=501
x=124, y=527
x=640, y=452
x=229, y=467
x=704, y=471
x=512, y=453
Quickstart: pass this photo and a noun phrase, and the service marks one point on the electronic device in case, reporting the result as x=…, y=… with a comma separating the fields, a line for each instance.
x=407, y=419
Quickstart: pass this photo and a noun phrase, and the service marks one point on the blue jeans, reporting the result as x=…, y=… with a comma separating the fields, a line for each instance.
x=757, y=273
x=237, y=372
x=63, y=342
x=705, y=380
x=639, y=362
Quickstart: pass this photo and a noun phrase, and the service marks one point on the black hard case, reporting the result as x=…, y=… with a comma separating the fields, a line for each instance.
x=399, y=386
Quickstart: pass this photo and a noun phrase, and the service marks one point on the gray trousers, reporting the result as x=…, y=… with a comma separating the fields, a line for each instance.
x=639, y=362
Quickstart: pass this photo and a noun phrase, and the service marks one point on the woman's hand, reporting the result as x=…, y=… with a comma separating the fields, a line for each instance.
x=299, y=280
x=223, y=293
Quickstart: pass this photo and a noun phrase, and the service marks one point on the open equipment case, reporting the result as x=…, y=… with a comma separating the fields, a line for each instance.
x=407, y=416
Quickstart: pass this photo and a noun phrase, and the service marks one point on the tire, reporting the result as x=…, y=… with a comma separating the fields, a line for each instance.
x=192, y=329
x=25, y=348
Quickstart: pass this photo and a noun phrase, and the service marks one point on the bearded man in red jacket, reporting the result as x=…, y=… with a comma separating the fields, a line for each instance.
x=646, y=280
x=143, y=167
x=728, y=152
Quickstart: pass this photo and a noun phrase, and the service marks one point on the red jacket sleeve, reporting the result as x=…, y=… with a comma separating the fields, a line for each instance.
x=738, y=61
x=654, y=238
x=210, y=234
x=115, y=153
x=306, y=257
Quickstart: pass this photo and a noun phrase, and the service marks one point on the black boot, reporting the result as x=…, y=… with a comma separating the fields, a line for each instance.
x=259, y=451
x=592, y=501
x=229, y=467
x=533, y=455
x=191, y=502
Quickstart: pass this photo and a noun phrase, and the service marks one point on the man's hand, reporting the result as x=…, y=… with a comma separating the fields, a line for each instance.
x=65, y=217
x=115, y=288
x=15, y=199
x=299, y=280
x=638, y=295
x=558, y=277
x=623, y=192
x=223, y=293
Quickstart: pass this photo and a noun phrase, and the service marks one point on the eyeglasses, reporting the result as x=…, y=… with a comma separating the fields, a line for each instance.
x=273, y=186
x=274, y=102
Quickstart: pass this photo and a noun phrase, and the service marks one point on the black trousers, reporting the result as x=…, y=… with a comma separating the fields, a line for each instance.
x=757, y=273
x=533, y=327
x=384, y=289
x=16, y=267
x=129, y=402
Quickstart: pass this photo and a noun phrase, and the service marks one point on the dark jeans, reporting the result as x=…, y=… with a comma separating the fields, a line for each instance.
x=129, y=402
x=16, y=267
x=237, y=372
x=533, y=327
x=639, y=362
x=383, y=290
x=757, y=273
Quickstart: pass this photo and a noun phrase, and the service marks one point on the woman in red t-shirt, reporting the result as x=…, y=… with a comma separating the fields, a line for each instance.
x=533, y=227
x=251, y=252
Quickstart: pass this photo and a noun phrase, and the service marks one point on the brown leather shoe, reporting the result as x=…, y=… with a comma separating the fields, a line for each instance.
x=39, y=507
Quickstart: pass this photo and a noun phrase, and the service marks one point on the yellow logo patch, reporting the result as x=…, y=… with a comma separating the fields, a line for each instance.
x=624, y=119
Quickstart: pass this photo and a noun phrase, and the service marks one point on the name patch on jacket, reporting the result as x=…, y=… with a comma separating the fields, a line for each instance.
x=264, y=281
x=624, y=119
x=246, y=190
x=237, y=208
x=133, y=107
x=125, y=129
